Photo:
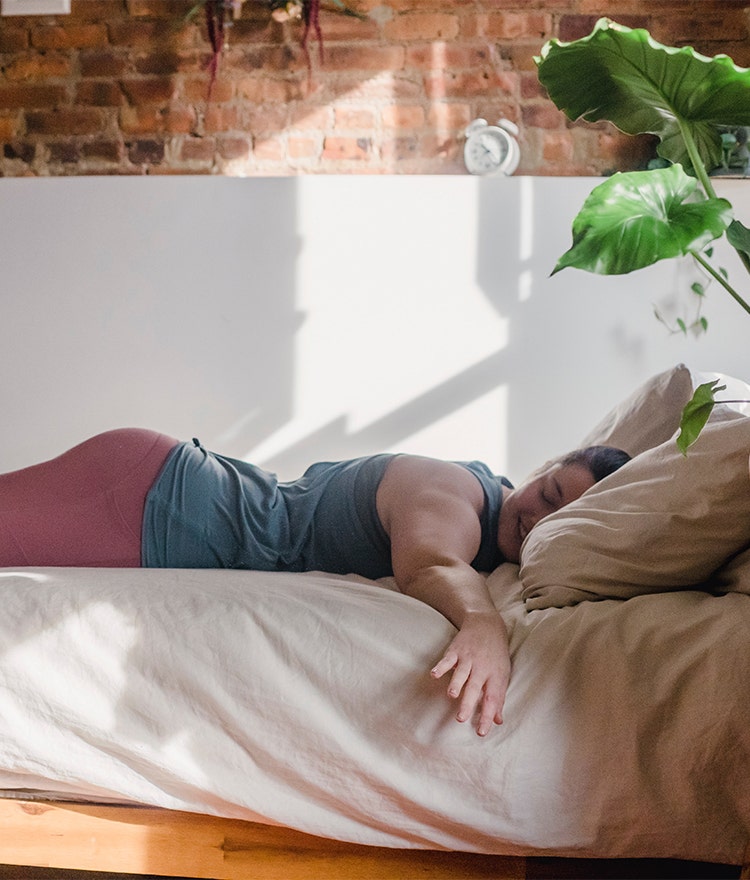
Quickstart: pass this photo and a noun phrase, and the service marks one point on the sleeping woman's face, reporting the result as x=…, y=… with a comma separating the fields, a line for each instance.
x=525, y=506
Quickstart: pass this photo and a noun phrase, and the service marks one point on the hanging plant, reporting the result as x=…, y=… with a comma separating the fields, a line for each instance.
x=219, y=15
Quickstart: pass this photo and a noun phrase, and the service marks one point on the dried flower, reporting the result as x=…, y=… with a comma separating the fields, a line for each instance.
x=292, y=10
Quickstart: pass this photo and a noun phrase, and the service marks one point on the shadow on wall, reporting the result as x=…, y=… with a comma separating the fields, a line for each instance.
x=290, y=320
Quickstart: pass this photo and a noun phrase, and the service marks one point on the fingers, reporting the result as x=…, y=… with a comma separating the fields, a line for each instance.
x=485, y=691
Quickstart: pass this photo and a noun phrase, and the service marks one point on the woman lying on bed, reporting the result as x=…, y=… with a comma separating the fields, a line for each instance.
x=135, y=497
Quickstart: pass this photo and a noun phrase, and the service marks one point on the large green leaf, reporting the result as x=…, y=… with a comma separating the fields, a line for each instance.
x=626, y=77
x=635, y=219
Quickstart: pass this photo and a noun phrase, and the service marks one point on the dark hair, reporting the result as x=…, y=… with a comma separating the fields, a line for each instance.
x=600, y=460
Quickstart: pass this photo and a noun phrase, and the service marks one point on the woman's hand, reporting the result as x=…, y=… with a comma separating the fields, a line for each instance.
x=431, y=512
x=480, y=661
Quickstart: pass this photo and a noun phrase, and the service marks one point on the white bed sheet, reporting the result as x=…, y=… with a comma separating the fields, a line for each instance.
x=305, y=700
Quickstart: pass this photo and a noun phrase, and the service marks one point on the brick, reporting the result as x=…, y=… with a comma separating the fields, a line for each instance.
x=67, y=152
x=170, y=9
x=34, y=66
x=195, y=89
x=312, y=116
x=519, y=55
x=103, y=150
x=9, y=126
x=146, y=152
x=108, y=64
x=382, y=86
x=233, y=148
x=466, y=84
x=347, y=148
x=531, y=87
x=149, y=119
x=557, y=146
x=354, y=117
x=65, y=121
x=449, y=116
x=195, y=149
x=364, y=58
x=263, y=90
x=21, y=150
x=346, y=28
x=439, y=55
x=139, y=34
x=517, y=25
x=99, y=93
x=574, y=27
x=96, y=10
x=222, y=118
x=149, y=90
x=403, y=116
x=422, y=26
x=699, y=29
x=31, y=96
x=303, y=147
x=400, y=149
x=267, y=119
x=159, y=63
x=542, y=116
x=85, y=36
x=269, y=149
x=13, y=39
x=625, y=152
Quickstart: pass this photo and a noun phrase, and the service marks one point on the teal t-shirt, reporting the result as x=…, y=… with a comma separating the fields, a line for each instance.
x=209, y=511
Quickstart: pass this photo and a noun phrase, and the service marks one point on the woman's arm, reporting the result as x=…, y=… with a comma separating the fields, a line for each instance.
x=430, y=510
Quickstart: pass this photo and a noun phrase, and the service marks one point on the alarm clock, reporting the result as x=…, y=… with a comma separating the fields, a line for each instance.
x=491, y=149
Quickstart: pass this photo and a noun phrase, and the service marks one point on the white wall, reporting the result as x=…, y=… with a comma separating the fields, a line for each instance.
x=290, y=320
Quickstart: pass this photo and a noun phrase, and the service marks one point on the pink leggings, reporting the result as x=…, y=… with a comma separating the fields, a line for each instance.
x=85, y=507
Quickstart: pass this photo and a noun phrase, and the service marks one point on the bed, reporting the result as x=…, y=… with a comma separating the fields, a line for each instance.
x=218, y=723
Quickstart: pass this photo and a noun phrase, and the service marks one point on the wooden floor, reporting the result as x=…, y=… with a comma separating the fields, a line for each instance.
x=535, y=869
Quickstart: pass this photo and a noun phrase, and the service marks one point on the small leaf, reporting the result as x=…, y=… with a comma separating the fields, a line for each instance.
x=682, y=325
x=698, y=289
x=738, y=236
x=704, y=324
x=696, y=413
x=638, y=218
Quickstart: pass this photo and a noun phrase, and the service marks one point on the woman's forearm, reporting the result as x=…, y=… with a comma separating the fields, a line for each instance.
x=478, y=655
x=454, y=590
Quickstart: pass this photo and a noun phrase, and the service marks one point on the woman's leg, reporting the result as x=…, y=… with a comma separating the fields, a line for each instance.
x=85, y=507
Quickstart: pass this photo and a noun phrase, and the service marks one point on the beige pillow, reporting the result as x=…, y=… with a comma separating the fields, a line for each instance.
x=663, y=521
x=649, y=416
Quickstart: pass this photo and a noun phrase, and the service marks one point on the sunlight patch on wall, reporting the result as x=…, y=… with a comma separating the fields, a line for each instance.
x=476, y=430
x=398, y=344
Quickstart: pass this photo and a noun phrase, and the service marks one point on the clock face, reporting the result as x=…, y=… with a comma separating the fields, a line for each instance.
x=490, y=150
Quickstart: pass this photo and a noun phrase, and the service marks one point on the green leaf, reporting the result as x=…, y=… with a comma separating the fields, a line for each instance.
x=696, y=413
x=635, y=219
x=739, y=236
x=641, y=86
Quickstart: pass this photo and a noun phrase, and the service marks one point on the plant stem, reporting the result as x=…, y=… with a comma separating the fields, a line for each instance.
x=696, y=161
x=717, y=276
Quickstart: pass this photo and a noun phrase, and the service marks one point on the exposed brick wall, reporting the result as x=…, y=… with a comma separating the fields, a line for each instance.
x=121, y=86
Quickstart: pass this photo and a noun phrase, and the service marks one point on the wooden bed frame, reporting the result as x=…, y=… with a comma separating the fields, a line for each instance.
x=147, y=840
